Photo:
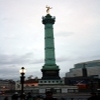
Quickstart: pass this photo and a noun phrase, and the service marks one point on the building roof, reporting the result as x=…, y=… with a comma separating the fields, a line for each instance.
x=31, y=81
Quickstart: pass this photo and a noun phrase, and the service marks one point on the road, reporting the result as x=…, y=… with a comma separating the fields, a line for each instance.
x=67, y=97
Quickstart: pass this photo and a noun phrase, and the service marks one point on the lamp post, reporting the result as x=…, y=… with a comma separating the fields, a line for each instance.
x=22, y=72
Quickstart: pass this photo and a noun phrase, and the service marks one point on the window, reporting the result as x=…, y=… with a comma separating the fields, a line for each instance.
x=40, y=81
x=57, y=81
x=18, y=86
x=48, y=81
x=45, y=81
x=52, y=81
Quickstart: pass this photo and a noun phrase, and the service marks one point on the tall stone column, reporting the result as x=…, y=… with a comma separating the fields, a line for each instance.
x=50, y=70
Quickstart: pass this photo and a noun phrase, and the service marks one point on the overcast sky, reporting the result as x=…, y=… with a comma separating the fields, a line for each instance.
x=76, y=31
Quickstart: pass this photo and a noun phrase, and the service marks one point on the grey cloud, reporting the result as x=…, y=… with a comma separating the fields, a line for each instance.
x=81, y=58
x=12, y=72
x=77, y=58
x=9, y=72
x=64, y=34
x=63, y=58
x=37, y=61
x=88, y=57
x=6, y=18
x=27, y=58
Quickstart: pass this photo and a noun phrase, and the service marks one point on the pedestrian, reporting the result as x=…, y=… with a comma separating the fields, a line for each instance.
x=62, y=98
x=98, y=95
x=49, y=96
x=6, y=98
x=39, y=97
x=29, y=97
x=93, y=96
x=22, y=96
x=15, y=96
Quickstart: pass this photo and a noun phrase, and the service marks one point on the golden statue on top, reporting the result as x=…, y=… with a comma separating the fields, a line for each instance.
x=48, y=9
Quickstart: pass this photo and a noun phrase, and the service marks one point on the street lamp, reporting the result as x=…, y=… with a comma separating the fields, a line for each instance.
x=22, y=72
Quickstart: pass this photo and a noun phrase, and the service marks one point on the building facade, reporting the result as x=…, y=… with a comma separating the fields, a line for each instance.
x=7, y=85
x=93, y=68
x=33, y=86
